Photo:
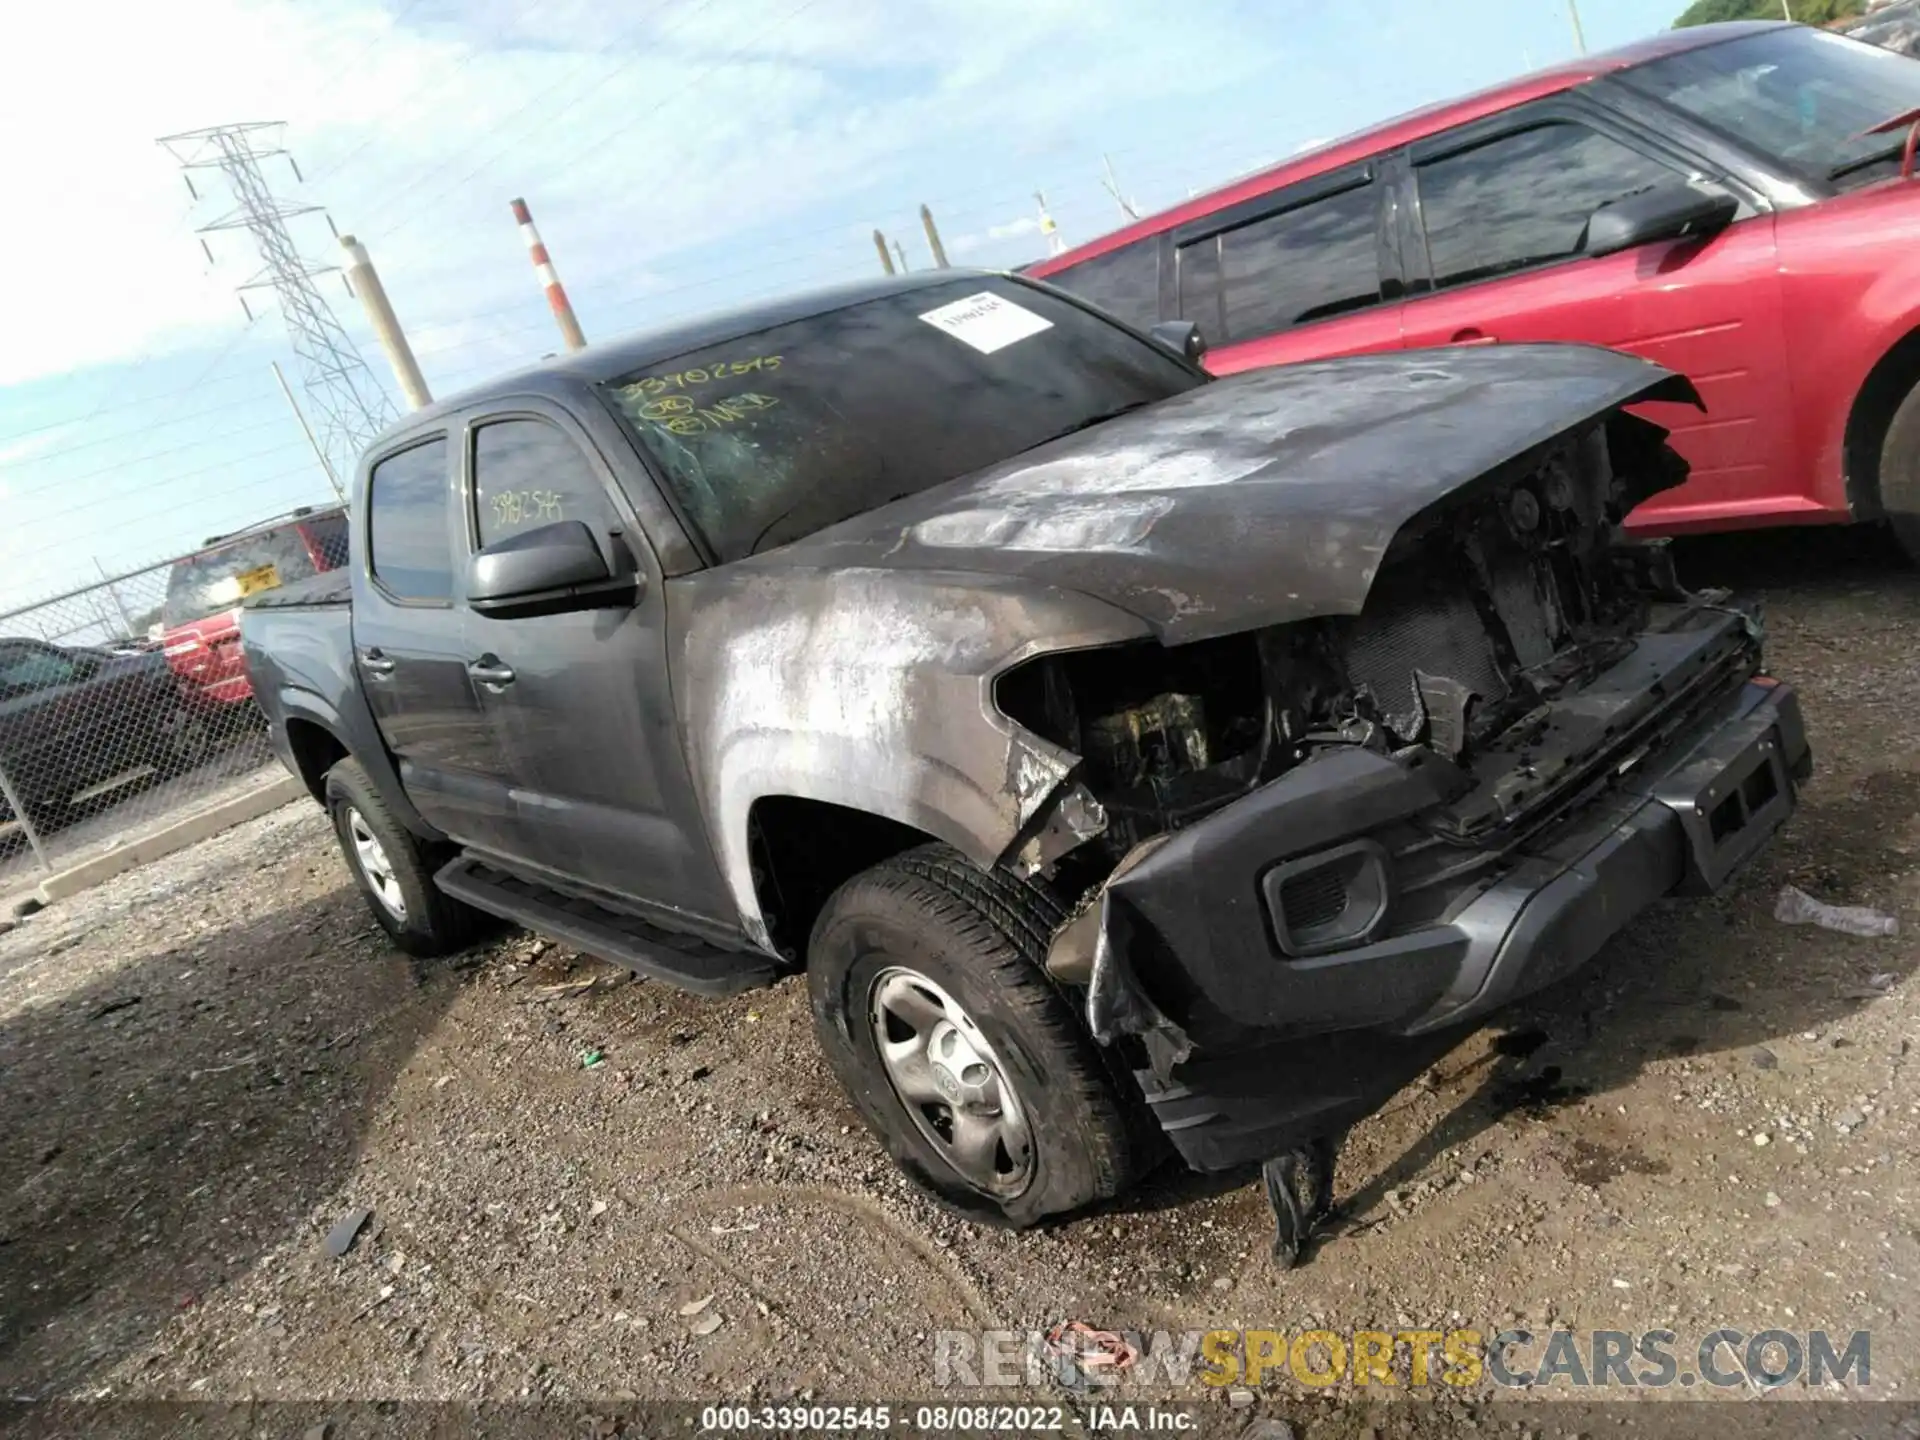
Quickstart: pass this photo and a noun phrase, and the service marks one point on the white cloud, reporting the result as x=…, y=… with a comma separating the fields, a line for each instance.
x=31, y=446
x=632, y=143
x=976, y=241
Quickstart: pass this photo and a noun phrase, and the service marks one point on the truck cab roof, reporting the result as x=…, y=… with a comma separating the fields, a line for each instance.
x=609, y=360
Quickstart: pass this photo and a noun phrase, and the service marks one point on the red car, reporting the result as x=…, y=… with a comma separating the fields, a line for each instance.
x=1729, y=200
x=200, y=620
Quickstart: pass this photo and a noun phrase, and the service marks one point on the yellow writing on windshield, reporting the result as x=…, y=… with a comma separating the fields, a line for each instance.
x=680, y=416
x=652, y=385
x=526, y=507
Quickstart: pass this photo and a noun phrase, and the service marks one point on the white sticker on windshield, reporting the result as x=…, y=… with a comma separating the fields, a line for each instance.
x=986, y=321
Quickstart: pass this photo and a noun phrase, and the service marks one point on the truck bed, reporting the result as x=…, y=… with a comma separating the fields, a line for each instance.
x=329, y=587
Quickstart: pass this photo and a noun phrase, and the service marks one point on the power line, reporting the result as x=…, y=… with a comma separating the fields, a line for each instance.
x=352, y=406
x=549, y=117
x=946, y=204
x=412, y=102
x=618, y=307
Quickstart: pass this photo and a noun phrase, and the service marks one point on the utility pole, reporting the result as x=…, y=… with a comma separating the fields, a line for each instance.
x=1113, y=188
x=880, y=244
x=307, y=430
x=900, y=253
x=341, y=390
x=549, y=279
x=1786, y=10
x=1056, y=242
x=364, y=281
x=933, y=239
x=1579, y=35
x=126, y=620
x=24, y=818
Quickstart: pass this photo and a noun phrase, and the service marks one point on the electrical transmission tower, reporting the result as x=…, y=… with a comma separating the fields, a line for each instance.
x=350, y=404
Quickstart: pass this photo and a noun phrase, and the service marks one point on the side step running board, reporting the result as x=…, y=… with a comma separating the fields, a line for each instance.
x=674, y=959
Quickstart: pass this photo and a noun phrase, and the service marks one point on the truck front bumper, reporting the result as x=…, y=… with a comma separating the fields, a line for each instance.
x=1248, y=1050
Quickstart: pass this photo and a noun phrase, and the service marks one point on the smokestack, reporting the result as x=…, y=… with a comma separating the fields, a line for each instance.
x=549, y=278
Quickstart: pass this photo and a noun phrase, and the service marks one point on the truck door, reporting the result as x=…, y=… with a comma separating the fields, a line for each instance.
x=580, y=704
x=411, y=654
x=1504, y=205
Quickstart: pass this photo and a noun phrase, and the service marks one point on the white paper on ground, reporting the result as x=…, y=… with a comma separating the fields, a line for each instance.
x=988, y=322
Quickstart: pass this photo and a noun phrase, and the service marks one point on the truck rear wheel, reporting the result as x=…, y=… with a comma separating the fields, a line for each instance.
x=934, y=1011
x=1900, y=475
x=394, y=869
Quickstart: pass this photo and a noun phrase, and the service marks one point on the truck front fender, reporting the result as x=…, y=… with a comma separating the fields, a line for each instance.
x=872, y=690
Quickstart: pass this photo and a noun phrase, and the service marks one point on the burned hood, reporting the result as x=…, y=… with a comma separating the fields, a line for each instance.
x=1267, y=497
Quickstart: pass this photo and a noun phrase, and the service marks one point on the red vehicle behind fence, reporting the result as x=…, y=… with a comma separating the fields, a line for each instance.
x=199, y=625
x=1731, y=201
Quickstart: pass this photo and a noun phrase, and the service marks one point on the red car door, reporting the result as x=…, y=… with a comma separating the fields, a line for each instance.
x=1503, y=207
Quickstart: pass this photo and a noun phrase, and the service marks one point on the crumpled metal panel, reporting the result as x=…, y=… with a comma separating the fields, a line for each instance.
x=1266, y=497
x=869, y=689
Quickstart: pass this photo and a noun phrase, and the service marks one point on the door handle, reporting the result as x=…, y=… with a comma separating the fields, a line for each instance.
x=1473, y=336
x=488, y=670
x=374, y=663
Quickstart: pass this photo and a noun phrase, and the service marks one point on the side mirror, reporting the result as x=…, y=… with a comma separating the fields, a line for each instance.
x=1666, y=212
x=1183, y=337
x=544, y=571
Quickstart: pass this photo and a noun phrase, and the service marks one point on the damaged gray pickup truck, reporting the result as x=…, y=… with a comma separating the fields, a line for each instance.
x=1132, y=760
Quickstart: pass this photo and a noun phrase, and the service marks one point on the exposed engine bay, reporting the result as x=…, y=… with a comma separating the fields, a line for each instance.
x=1487, y=618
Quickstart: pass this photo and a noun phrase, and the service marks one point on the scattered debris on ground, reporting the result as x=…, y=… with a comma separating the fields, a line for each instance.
x=1795, y=907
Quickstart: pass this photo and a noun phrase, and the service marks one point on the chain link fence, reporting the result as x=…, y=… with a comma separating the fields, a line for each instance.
x=125, y=704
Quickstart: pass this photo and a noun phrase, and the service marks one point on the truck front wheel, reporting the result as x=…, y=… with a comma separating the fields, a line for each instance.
x=931, y=1004
x=394, y=869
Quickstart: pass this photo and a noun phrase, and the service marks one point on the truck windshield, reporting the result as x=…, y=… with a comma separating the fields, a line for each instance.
x=1803, y=97
x=785, y=431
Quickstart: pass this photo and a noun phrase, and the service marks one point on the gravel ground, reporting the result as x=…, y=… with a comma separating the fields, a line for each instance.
x=207, y=1063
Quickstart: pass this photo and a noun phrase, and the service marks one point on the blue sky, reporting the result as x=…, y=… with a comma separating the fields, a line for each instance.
x=678, y=155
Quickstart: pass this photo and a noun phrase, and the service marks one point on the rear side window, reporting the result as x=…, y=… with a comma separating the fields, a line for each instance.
x=1524, y=199
x=1307, y=263
x=1125, y=283
x=328, y=537
x=407, y=523
x=527, y=474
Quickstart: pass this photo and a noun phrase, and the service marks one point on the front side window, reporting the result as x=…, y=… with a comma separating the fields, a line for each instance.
x=1309, y=262
x=1123, y=282
x=1524, y=199
x=407, y=508
x=1804, y=97
x=781, y=432
x=527, y=474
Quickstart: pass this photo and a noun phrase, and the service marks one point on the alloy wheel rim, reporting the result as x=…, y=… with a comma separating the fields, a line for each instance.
x=371, y=856
x=950, y=1082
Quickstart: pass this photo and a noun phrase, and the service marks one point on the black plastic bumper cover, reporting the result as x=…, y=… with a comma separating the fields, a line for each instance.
x=1349, y=1029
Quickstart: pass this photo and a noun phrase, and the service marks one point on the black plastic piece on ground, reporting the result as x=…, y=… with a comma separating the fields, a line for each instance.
x=683, y=961
x=1300, y=1194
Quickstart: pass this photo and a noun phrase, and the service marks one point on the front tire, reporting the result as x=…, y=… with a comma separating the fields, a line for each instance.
x=1900, y=475
x=932, y=1006
x=394, y=869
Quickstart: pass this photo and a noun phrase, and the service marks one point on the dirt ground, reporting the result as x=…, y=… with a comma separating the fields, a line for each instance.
x=206, y=1064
